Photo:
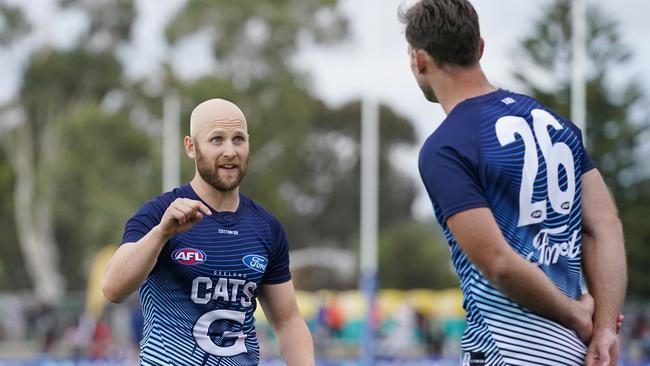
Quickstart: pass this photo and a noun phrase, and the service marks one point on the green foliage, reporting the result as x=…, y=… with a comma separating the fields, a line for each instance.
x=411, y=257
x=637, y=235
x=55, y=81
x=13, y=24
x=257, y=40
x=305, y=160
x=109, y=22
x=613, y=130
x=12, y=269
x=305, y=155
x=101, y=167
x=103, y=174
x=331, y=171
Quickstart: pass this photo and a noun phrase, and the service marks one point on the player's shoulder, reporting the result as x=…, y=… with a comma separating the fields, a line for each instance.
x=459, y=131
x=517, y=103
x=534, y=104
x=508, y=97
x=462, y=124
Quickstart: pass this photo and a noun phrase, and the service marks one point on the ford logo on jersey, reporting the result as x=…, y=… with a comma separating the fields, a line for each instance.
x=255, y=262
x=189, y=256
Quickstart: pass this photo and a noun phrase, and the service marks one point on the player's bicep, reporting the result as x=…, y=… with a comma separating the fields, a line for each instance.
x=122, y=253
x=279, y=302
x=598, y=207
x=480, y=238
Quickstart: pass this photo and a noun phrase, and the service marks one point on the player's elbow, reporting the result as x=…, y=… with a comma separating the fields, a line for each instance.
x=605, y=229
x=499, y=270
x=112, y=292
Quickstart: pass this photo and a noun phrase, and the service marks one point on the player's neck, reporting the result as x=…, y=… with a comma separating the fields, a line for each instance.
x=455, y=86
x=216, y=199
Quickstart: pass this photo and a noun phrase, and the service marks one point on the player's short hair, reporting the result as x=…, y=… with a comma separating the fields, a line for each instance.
x=448, y=30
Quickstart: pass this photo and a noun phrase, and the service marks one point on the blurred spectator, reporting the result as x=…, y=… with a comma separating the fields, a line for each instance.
x=83, y=335
x=101, y=339
x=400, y=338
x=335, y=317
x=429, y=333
x=136, y=322
x=321, y=332
x=12, y=317
x=408, y=331
x=46, y=326
x=639, y=342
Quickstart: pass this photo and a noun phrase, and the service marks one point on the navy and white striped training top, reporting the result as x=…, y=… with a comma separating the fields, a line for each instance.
x=199, y=299
x=507, y=152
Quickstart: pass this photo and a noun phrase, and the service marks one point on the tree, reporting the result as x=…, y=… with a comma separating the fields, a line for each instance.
x=106, y=168
x=305, y=155
x=254, y=40
x=88, y=137
x=12, y=267
x=613, y=128
x=54, y=83
x=412, y=257
x=305, y=162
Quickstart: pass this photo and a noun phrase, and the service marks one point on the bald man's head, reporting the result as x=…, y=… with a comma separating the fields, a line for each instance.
x=218, y=144
x=216, y=112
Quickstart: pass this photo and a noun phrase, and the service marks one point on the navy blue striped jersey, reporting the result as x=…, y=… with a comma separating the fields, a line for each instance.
x=507, y=152
x=199, y=299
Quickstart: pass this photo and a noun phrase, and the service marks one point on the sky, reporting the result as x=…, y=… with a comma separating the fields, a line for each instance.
x=373, y=61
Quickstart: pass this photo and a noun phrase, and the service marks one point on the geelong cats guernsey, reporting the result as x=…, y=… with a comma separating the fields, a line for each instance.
x=507, y=152
x=199, y=299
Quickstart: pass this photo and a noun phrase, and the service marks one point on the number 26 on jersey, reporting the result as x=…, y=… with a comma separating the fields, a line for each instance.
x=555, y=155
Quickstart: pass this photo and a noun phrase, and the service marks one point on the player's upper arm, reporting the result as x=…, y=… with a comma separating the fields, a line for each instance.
x=279, y=303
x=277, y=270
x=480, y=238
x=598, y=207
x=144, y=220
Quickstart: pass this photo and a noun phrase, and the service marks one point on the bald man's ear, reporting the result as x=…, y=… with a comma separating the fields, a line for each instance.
x=190, y=148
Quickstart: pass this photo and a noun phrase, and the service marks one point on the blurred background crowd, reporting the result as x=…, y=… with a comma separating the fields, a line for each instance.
x=408, y=325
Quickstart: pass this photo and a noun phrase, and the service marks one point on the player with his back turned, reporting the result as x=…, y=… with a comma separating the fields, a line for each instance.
x=523, y=207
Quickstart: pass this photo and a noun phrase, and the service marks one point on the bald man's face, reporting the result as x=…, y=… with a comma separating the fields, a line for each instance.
x=222, y=153
x=219, y=143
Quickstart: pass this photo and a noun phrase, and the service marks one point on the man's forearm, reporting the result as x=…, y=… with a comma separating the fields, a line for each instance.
x=296, y=343
x=481, y=239
x=528, y=286
x=131, y=264
x=603, y=250
x=605, y=270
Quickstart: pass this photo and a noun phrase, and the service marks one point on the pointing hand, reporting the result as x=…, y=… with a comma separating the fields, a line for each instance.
x=181, y=215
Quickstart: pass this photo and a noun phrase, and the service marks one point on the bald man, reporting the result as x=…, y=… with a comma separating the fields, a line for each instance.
x=203, y=252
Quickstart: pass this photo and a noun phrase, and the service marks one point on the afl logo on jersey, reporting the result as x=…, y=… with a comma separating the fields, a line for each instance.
x=189, y=256
x=255, y=262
